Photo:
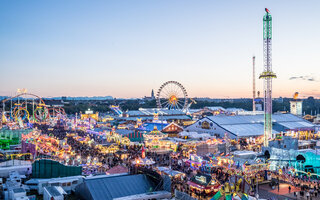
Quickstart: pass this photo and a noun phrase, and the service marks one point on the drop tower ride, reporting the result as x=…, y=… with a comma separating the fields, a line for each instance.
x=267, y=75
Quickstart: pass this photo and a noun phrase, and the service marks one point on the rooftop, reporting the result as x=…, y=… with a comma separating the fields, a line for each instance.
x=114, y=187
x=53, y=191
x=253, y=125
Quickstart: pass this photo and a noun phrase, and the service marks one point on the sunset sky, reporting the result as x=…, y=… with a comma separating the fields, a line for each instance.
x=127, y=48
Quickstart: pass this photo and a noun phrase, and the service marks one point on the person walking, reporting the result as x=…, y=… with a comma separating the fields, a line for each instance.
x=289, y=189
x=278, y=184
x=307, y=195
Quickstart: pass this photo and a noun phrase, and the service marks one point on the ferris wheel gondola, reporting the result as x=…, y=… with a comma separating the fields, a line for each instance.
x=172, y=96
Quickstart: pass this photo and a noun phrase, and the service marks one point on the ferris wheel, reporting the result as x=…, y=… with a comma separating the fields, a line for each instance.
x=173, y=96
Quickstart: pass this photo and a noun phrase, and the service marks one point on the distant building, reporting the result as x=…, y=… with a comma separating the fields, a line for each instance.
x=147, y=114
x=280, y=100
x=152, y=94
x=296, y=107
x=244, y=126
x=258, y=104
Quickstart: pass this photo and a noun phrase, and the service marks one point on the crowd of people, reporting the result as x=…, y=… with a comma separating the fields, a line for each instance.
x=305, y=187
x=86, y=151
x=308, y=189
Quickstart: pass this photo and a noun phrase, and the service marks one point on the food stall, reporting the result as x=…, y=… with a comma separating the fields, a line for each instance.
x=204, y=183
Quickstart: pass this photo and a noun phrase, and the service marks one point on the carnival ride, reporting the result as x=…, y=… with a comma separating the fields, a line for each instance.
x=296, y=173
x=236, y=187
x=116, y=109
x=112, y=136
x=186, y=110
x=173, y=96
x=25, y=108
x=56, y=111
x=19, y=156
x=267, y=75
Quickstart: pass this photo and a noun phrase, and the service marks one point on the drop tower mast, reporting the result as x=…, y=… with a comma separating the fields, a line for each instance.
x=267, y=75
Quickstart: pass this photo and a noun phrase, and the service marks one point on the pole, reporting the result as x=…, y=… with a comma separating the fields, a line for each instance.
x=33, y=108
x=257, y=186
x=253, y=84
x=11, y=108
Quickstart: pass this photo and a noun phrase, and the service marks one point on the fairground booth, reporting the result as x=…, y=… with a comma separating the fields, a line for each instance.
x=194, y=161
x=171, y=173
x=157, y=141
x=204, y=183
x=11, y=137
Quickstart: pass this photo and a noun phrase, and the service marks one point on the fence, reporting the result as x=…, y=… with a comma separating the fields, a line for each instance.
x=53, y=169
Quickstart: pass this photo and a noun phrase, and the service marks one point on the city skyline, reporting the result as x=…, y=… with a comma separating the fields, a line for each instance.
x=125, y=49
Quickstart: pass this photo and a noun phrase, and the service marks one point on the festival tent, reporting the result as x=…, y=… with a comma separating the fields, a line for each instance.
x=185, y=133
x=111, y=187
x=134, y=136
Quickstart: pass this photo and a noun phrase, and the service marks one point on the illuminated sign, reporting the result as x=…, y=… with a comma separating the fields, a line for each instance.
x=201, y=179
x=205, y=125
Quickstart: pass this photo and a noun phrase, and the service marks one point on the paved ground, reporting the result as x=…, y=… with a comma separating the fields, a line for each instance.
x=266, y=192
x=263, y=194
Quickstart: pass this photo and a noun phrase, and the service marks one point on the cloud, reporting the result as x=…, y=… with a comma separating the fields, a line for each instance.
x=305, y=78
x=311, y=79
x=295, y=77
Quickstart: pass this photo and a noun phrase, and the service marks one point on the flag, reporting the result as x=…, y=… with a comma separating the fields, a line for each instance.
x=243, y=167
x=143, y=152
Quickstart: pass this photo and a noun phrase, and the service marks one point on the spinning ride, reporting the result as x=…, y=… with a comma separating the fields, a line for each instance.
x=41, y=113
x=19, y=112
x=172, y=96
x=56, y=112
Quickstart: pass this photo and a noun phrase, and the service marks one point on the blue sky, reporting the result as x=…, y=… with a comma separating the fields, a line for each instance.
x=126, y=48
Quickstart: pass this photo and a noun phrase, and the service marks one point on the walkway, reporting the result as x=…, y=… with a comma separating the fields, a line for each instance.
x=266, y=192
